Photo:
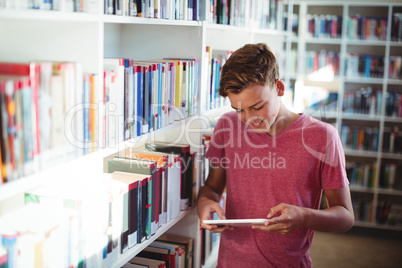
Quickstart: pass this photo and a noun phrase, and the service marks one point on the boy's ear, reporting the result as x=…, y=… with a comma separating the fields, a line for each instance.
x=280, y=86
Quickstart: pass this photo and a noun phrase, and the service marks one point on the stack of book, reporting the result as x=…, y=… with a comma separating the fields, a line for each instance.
x=215, y=59
x=393, y=104
x=392, y=140
x=324, y=26
x=367, y=28
x=361, y=174
x=245, y=13
x=394, y=71
x=169, y=250
x=46, y=115
x=363, y=209
x=294, y=24
x=323, y=61
x=388, y=175
x=396, y=28
x=364, y=101
x=90, y=226
x=367, y=66
x=389, y=213
x=158, y=9
x=140, y=97
x=360, y=138
x=89, y=6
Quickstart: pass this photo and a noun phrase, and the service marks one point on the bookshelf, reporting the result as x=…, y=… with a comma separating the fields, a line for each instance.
x=88, y=38
x=307, y=39
x=36, y=35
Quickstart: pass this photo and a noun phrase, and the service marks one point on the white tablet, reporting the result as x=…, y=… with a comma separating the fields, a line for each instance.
x=236, y=222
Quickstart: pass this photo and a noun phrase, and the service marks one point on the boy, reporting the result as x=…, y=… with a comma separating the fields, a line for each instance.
x=274, y=164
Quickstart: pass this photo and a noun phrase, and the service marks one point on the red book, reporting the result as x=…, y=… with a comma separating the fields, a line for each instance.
x=33, y=71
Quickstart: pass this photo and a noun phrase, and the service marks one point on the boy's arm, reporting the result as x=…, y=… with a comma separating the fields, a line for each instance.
x=210, y=195
x=338, y=217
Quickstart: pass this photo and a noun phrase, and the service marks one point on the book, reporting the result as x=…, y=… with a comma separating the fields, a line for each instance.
x=114, y=109
x=173, y=247
x=144, y=167
x=132, y=208
x=186, y=179
x=188, y=242
x=151, y=263
x=161, y=183
x=162, y=254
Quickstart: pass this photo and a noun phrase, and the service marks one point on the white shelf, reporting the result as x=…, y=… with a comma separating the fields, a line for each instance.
x=361, y=153
x=128, y=255
x=47, y=15
x=224, y=27
x=361, y=189
x=361, y=117
x=95, y=160
x=366, y=42
x=390, y=192
x=395, y=44
x=360, y=80
x=393, y=119
x=392, y=156
x=147, y=21
x=394, y=81
x=325, y=41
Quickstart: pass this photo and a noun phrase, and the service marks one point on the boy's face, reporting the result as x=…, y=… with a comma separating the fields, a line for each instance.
x=258, y=106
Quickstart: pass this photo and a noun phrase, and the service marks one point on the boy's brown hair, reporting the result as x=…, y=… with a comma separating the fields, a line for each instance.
x=252, y=64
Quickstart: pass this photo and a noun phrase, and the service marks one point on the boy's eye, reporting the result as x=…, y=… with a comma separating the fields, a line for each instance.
x=239, y=111
x=259, y=108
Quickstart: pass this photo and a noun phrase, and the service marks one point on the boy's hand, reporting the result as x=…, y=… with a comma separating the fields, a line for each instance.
x=206, y=209
x=283, y=219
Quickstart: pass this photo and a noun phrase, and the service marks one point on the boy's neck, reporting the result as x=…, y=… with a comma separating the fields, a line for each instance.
x=284, y=119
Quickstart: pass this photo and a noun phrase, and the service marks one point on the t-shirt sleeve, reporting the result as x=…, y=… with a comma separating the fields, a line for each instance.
x=216, y=149
x=333, y=171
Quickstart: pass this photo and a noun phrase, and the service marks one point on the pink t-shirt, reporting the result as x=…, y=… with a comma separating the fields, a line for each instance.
x=262, y=171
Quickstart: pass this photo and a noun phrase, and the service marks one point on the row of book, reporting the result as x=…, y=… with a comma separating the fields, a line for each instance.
x=388, y=176
x=361, y=174
x=396, y=27
x=168, y=250
x=46, y=116
x=294, y=23
x=90, y=226
x=245, y=13
x=360, y=138
x=392, y=140
x=393, y=104
x=394, y=71
x=386, y=212
x=148, y=95
x=324, y=26
x=158, y=9
x=361, y=65
x=215, y=59
x=366, y=100
x=89, y=6
x=367, y=28
x=323, y=60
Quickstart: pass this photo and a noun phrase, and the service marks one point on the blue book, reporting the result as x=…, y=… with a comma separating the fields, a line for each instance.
x=150, y=112
x=367, y=65
x=139, y=72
